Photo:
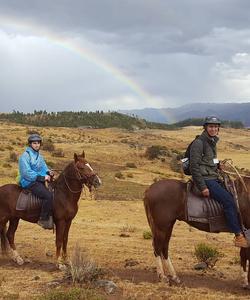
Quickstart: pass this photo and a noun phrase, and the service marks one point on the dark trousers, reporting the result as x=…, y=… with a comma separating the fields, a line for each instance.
x=221, y=195
x=39, y=189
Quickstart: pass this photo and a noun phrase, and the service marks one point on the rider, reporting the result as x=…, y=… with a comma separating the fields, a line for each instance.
x=204, y=167
x=33, y=175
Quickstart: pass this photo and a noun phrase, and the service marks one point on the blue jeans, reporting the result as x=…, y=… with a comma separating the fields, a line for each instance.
x=221, y=195
x=39, y=189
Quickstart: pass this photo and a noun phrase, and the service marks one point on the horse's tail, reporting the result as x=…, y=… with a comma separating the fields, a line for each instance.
x=148, y=214
x=3, y=239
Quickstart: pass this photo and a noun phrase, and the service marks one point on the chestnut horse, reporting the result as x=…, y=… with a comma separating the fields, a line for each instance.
x=67, y=190
x=164, y=203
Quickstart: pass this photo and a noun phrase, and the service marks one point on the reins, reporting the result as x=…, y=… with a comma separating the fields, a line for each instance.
x=230, y=163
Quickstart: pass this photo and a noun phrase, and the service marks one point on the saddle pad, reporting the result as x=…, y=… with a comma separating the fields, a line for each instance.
x=28, y=201
x=206, y=210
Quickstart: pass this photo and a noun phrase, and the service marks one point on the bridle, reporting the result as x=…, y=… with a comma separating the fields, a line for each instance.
x=83, y=179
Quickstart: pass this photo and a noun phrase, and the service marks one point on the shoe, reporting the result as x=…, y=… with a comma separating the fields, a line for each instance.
x=241, y=241
x=46, y=224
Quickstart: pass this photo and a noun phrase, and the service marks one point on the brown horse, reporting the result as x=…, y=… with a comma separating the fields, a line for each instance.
x=67, y=190
x=164, y=203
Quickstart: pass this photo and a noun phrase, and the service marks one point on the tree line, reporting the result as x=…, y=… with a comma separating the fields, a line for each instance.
x=98, y=119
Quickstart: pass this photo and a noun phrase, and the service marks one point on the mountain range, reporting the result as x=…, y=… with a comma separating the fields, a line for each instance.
x=225, y=111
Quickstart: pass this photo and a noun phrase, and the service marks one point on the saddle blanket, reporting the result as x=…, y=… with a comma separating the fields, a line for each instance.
x=28, y=201
x=206, y=210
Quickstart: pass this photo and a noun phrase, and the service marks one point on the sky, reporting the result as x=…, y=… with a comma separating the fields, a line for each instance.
x=122, y=54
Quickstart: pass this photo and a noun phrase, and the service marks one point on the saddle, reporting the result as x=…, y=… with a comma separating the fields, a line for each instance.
x=28, y=201
x=205, y=210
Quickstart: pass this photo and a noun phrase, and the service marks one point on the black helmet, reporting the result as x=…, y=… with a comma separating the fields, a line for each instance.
x=34, y=137
x=211, y=120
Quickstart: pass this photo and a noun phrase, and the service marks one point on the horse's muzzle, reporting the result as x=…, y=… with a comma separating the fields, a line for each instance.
x=96, y=181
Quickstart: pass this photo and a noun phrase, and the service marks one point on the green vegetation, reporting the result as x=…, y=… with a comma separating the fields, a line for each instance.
x=147, y=235
x=199, y=122
x=98, y=119
x=207, y=254
x=71, y=294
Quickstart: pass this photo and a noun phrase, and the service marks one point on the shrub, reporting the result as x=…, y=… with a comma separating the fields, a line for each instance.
x=155, y=151
x=131, y=165
x=119, y=175
x=81, y=269
x=6, y=165
x=130, y=175
x=13, y=156
x=207, y=254
x=147, y=235
x=48, y=145
x=9, y=148
x=175, y=165
x=58, y=153
x=30, y=131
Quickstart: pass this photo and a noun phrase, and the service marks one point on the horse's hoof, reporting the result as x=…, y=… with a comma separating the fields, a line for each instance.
x=19, y=260
x=163, y=279
x=174, y=280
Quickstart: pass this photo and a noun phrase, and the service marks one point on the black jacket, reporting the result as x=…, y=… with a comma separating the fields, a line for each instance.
x=202, y=165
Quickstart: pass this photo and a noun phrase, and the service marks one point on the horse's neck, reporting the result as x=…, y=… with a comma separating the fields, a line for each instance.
x=244, y=203
x=67, y=181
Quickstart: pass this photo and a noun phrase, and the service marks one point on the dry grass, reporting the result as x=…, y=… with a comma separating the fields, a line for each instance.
x=99, y=224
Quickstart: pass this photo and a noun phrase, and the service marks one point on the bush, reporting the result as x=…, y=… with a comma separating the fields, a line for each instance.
x=9, y=148
x=48, y=145
x=147, y=235
x=81, y=269
x=155, y=151
x=6, y=165
x=175, y=165
x=119, y=175
x=131, y=165
x=13, y=156
x=207, y=254
x=130, y=175
x=30, y=131
x=58, y=153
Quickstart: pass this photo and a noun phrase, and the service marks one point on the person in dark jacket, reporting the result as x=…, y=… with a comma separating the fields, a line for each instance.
x=204, y=170
x=33, y=173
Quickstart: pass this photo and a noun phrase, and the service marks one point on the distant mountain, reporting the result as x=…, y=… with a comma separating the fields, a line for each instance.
x=225, y=111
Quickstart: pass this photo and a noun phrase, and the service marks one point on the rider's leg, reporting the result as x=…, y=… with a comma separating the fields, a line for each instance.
x=226, y=199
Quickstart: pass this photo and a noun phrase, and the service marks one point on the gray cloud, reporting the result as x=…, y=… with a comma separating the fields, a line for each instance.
x=176, y=51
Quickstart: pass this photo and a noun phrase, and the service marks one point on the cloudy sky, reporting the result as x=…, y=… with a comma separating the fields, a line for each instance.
x=122, y=54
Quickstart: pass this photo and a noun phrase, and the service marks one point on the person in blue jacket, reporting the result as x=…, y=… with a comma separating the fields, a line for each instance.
x=34, y=173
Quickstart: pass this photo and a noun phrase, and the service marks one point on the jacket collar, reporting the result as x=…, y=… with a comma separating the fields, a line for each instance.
x=212, y=140
x=31, y=150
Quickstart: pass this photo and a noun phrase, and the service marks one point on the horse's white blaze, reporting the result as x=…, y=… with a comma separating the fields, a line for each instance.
x=88, y=165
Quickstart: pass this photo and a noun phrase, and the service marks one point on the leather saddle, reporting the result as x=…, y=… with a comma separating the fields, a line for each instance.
x=205, y=210
x=28, y=201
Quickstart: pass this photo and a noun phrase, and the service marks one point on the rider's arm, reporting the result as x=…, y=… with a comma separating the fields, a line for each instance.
x=196, y=153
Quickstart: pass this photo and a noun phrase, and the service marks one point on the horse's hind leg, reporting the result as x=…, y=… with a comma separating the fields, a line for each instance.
x=13, y=223
x=167, y=264
x=158, y=244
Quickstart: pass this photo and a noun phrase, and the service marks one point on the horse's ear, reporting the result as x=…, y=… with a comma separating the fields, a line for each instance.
x=83, y=154
x=75, y=157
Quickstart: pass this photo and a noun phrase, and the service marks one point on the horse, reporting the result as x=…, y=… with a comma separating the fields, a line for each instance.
x=67, y=190
x=165, y=202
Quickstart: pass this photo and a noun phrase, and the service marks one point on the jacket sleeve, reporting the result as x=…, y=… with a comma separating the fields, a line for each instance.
x=196, y=153
x=45, y=168
x=25, y=170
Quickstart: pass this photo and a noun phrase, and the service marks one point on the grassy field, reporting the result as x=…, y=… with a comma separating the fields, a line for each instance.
x=117, y=208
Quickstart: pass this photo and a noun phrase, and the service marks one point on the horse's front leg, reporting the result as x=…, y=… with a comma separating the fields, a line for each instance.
x=60, y=228
x=65, y=241
x=13, y=223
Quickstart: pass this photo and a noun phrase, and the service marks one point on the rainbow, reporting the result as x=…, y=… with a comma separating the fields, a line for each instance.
x=69, y=45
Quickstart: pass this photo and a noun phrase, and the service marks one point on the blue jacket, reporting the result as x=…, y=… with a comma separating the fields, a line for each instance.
x=31, y=165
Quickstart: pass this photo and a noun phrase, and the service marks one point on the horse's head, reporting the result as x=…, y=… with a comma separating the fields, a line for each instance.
x=85, y=172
